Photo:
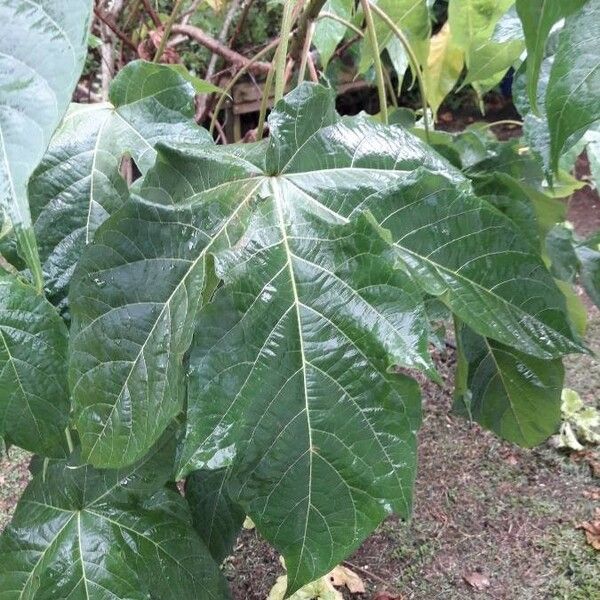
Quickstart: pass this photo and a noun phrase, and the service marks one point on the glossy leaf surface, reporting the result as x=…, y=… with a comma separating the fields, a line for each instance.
x=34, y=397
x=82, y=533
x=572, y=95
x=325, y=238
x=78, y=184
x=514, y=395
x=42, y=50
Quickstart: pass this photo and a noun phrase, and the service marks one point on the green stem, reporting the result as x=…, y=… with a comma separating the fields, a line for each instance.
x=366, y=5
x=348, y=24
x=264, y=103
x=411, y=57
x=69, y=440
x=502, y=122
x=305, y=52
x=165, y=36
x=282, y=50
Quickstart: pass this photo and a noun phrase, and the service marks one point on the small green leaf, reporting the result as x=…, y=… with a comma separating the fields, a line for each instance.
x=514, y=395
x=217, y=518
x=328, y=32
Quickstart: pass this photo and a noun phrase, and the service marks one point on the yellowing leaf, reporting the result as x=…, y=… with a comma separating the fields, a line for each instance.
x=444, y=66
x=341, y=576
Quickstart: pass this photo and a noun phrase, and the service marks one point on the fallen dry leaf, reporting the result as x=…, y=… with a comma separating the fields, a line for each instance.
x=341, y=576
x=592, y=531
x=477, y=580
x=387, y=596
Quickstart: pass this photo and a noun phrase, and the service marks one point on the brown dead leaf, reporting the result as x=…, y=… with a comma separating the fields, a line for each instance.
x=387, y=596
x=341, y=576
x=477, y=580
x=592, y=531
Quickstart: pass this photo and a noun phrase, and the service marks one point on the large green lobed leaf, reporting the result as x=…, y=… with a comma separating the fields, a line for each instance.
x=326, y=238
x=43, y=46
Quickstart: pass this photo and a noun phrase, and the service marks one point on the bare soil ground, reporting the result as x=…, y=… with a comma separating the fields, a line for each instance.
x=484, y=508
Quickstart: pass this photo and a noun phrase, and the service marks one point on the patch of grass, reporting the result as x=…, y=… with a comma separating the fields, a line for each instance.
x=575, y=562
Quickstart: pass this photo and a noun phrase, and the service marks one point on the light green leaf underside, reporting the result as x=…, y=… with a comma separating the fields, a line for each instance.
x=84, y=534
x=34, y=399
x=43, y=45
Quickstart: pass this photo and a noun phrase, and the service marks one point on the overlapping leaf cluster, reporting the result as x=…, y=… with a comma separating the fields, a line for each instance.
x=250, y=319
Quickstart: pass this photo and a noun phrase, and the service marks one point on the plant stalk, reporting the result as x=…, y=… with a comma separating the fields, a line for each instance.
x=281, y=53
x=411, y=57
x=167, y=30
x=264, y=103
x=366, y=5
x=306, y=52
x=344, y=22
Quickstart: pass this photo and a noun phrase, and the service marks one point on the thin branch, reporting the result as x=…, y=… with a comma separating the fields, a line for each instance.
x=246, y=6
x=231, y=56
x=411, y=56
x=238, y=75
x=348, y=24
x=153, y=14
x=306, y=52
x=167, y=31
x=109, y=21
x=366, y=5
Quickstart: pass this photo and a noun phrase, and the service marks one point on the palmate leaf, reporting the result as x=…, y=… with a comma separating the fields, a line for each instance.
x=329, y=32
x=42, y=49
x=326, y=239
x=516, y=396
x=83, y=534
x=34, y=398
x=78, y=184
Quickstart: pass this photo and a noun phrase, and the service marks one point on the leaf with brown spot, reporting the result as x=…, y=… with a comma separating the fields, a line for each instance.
x=342, y=576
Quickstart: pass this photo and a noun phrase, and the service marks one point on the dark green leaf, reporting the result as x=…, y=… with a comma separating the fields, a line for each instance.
x=78, y=184
x=34, y=399
x=572, y=96
x=325, y=244
x=217, y=519
x=538, y=18
x=514, y=395
x=42, y=48
x=82, y=533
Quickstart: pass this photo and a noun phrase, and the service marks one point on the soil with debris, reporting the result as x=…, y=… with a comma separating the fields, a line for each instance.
x=491, y=520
